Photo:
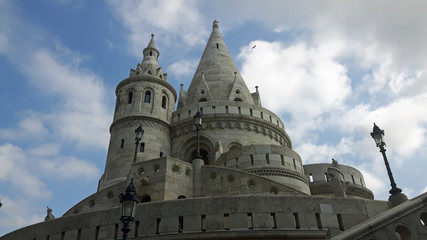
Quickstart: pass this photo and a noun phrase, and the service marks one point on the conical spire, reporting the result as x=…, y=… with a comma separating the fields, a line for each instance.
x=217, y=74
x=150, y=63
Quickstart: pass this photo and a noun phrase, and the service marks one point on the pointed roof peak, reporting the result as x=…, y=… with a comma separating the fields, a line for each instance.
x=152, y=44
x=218, y=73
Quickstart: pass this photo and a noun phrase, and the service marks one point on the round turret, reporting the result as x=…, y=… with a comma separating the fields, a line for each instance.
x=145, y=98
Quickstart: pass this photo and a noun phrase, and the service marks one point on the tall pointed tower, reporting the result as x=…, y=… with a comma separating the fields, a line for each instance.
x=237, y=131
x=248, y=184
x=145, y=98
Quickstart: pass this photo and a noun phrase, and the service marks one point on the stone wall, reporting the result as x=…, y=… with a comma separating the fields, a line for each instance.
x=221, y=216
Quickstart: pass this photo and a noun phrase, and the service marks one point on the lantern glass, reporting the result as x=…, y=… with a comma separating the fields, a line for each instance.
x=139, y=132
x=378, y=138
x=198, y=119
x=128, y=208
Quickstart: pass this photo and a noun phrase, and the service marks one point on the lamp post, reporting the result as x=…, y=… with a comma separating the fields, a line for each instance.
x=138, y=135
x=198, y=123
x=129, y=200
x=378, y=134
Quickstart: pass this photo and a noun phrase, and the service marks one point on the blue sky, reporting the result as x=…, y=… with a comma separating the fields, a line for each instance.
x=328, y=68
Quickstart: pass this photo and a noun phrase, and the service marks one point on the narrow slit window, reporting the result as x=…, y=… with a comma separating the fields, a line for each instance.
x=130, y=97
x=147, y=98
x=142, y=147
x=252, y=159
x=161, y=154
x=273, y=221
x=267, y=158
x=122, y=143
x=226, y=221
x=295, y=164
x=226, y=109
x=79, y=234
x=250, y=221
x=237, y=162
x=262, y=115
x=251, y=112
x=217, y=45
x=164, y=101
x=240, y=110
x=116, y=230
x=181, y=224
x=282, y=159
x=340, y=223
x=296, y=220
x=136, y=228
x=319, y=221
x=326, y=177
x=311, y=178
x=158, y=225
x=97, y=232
x=203, y=227
x=271, y=120
x=352, y=178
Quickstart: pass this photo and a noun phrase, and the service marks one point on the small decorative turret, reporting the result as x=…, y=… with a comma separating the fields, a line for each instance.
x=149, y=64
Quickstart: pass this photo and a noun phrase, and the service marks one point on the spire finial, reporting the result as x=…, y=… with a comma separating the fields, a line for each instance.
x=215, y=24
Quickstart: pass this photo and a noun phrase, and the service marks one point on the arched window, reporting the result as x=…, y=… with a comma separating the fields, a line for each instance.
x=147, y=98
x=145, y=198
x=130, y=96
x=151, y=53
x=164, y=101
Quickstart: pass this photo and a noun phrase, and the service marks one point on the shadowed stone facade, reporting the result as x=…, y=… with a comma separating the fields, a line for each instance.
x=248, y=183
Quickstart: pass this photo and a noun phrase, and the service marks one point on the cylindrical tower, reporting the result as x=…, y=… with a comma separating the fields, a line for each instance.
x=145, y=98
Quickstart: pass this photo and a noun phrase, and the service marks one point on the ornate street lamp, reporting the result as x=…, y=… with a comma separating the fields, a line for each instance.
x=129, y=201
x=138, y=136
x=198, y=123
x=378, y=135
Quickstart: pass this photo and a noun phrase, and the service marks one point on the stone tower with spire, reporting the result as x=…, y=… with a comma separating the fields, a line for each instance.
x=145, y=98
x=247, y=183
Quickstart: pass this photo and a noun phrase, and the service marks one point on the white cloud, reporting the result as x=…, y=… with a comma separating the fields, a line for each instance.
x=183, y=67
x=70, y=168
x=312, y=82
x=172, y=21
x=17, y=213
x=32, y=126
x=375, y=184
x=46, y=150
x=14, y=171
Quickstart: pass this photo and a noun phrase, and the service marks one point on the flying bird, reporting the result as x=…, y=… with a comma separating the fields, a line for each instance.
x=253, y=46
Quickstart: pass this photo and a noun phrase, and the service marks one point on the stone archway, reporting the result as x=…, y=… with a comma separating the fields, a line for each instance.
x=207, y=148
